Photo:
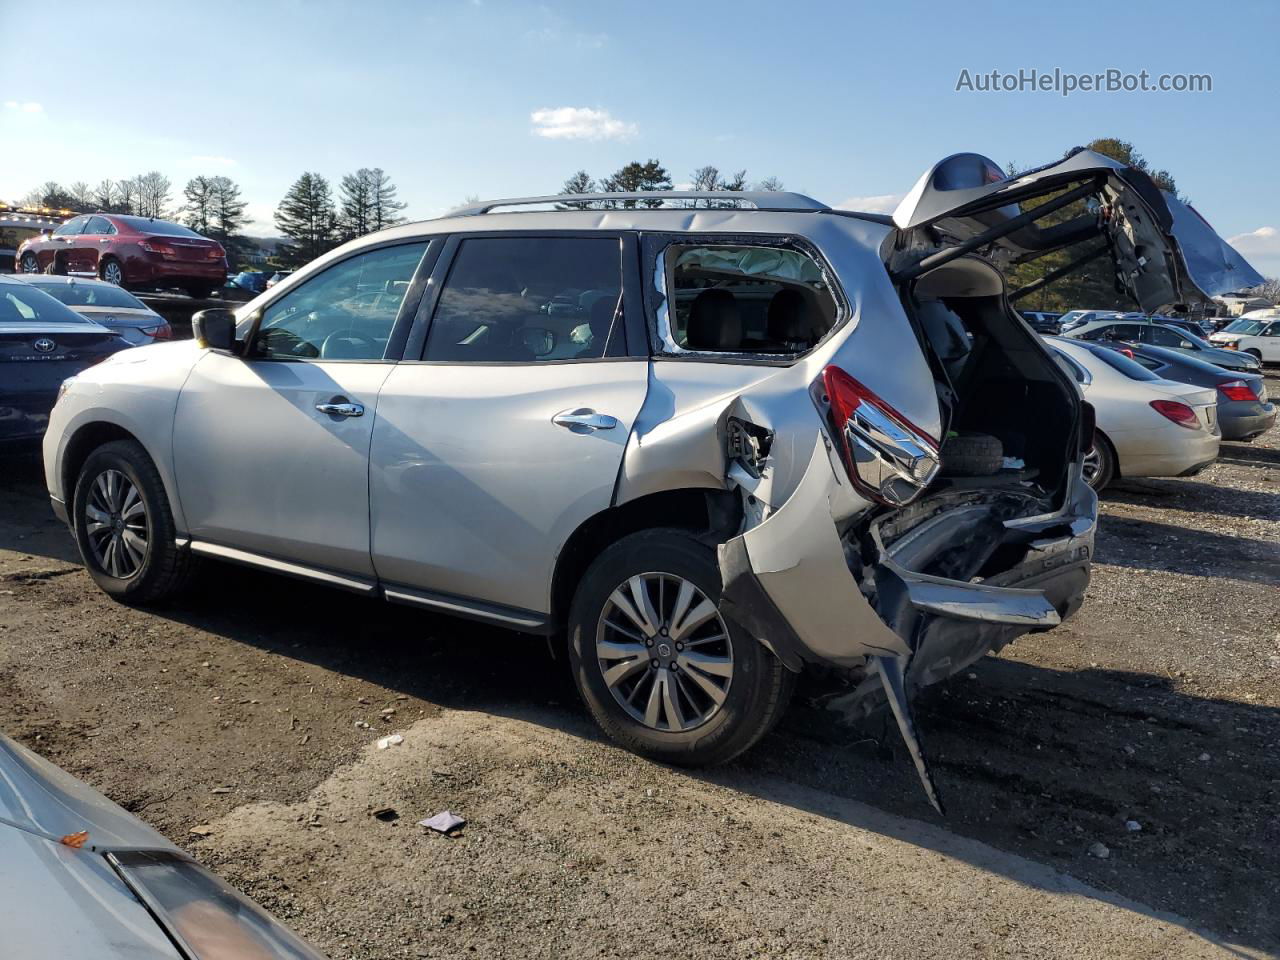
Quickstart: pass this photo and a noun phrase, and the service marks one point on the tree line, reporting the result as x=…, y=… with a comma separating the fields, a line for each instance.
x=637, y=177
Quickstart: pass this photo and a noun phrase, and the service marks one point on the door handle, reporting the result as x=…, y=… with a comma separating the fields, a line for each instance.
x=584, y=420
x=341, y=407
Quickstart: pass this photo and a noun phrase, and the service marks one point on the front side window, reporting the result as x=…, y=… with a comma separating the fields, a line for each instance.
x=745, y=298
x=525, y=299
x=1272, y=330
x=1165, y=337
x=345, y=312
x=72, y=227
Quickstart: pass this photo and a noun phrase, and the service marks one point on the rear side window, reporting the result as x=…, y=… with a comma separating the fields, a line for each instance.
x=527, y=299
x=99, y=225
x=1116, y=359
x=744, y=298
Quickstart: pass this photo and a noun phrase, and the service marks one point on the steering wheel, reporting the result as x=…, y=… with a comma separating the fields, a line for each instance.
x=338, y=336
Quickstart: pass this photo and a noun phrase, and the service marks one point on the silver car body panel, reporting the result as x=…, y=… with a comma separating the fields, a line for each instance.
x=474, y=489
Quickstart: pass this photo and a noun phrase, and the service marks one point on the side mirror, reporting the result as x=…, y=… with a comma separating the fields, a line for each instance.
x=215, y=328
x=1188, y=345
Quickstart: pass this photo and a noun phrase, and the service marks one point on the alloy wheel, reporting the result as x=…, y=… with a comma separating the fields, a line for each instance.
x=1091, y=465
x=30, y=264
x=112, y=273
x=664, y=652
x=115, y=519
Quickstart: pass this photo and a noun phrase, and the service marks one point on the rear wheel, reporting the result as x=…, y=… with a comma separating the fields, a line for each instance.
x=662, y=672
x=124, y=527
x=198, y=291
x=1100, y=462
x=29, y=263
x=111, y=271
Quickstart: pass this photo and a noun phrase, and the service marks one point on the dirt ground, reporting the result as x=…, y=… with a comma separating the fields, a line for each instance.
x=252, y=710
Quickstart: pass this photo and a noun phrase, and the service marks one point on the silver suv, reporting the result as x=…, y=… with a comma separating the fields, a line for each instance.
x=709, y=438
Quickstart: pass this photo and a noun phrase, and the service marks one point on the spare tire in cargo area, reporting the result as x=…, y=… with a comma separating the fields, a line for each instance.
x=972, y=455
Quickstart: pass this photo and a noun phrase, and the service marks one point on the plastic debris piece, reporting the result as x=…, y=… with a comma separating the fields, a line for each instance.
x=1133, y=826
x=443, y=822
x=386, y=814
x=75, y=839
x=1099, y=850
x=201, y=830
x=392, y=740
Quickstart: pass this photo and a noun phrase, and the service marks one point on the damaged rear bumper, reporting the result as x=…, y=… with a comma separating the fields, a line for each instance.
x=815, y=595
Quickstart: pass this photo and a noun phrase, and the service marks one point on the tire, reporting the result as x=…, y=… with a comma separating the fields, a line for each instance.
x=112, y=271
x=1256, y=354
x=972, y=455
x=29, y=264
x=1100, y=463
x=162, y=570
x=752, y=695
x=198, y=291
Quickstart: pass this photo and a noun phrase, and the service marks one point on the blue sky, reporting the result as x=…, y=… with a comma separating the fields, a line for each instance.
x=849, y=102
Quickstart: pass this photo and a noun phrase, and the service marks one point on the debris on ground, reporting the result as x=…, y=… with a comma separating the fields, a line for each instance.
x=443, y=822
x=391, y=740
x=1099, y=850
x=1133, y=826
x=201, y=830
x=386, y=814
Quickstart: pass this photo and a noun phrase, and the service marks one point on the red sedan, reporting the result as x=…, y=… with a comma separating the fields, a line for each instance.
x=133, y=252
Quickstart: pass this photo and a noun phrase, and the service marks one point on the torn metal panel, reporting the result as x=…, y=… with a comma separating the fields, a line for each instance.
x=798, y=561
x=889, y=670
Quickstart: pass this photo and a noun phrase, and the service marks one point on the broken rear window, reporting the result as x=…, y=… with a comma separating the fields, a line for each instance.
x=745, y=298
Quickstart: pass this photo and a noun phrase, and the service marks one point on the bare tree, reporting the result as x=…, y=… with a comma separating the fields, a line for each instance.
x=769, y=185
x=106, y=195
x=154, y=194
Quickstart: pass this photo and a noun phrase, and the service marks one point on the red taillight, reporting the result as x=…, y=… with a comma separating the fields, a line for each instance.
x=1179, y=413
x=158, y=246
x=1127, y=352
x=161, y=332
x=1237, y=390
x=216, y=252
x=895, y=459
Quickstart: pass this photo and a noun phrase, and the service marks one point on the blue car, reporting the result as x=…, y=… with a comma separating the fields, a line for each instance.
x=42, y=343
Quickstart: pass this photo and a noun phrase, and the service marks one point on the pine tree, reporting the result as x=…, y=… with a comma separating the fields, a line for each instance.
x=199, y=196
x=384, y=208
x=307, y=219
x=355, y=204
x=637, y=176
x=226, y=210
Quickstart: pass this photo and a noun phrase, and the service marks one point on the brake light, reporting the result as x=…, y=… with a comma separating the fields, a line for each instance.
x=1237, y=390
x=216, y=252
x=1127, y=352
x=160, y=332
x=157, y=246
x=887, y=457
x=1179, y=413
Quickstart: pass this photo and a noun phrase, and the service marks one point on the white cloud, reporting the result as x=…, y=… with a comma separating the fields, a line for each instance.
x=28, y=106
x=213, y=161
x=579, y=123
x=1261, y=248
x=882, y=203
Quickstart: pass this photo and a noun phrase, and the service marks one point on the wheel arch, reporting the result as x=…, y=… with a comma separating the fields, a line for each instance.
x=87, y=438
x=1115, y=454
x=700, y=510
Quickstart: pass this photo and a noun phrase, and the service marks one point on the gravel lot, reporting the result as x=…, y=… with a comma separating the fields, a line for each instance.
x=1159, y=703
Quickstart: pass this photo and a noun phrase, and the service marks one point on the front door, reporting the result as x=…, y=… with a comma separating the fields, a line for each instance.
x=271, y=449
x=510, y=432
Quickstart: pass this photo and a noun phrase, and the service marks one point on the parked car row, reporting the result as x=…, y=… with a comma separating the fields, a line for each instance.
x=132, y=252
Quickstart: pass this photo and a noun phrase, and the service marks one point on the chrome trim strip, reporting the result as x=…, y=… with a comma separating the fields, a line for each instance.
x=282, y=566
x=512, y=617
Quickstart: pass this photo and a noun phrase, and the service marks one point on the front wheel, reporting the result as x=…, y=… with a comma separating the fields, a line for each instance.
x=658, y=666
x=29, y=263
x=124, y=527
x=199, y=291
x=1256, y=354
x=111, y=271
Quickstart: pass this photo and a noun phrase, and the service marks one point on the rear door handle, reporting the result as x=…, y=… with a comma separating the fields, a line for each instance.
x=341, y=407
x=584, y=420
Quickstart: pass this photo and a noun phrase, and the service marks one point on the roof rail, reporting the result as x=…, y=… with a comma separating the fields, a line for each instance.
x=758, y=199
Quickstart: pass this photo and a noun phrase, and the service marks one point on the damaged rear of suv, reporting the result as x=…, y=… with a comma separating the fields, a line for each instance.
x=713, y=438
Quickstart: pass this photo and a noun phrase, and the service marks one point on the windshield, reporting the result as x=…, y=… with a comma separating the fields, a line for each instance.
x=20, y=303
x=1118, y=361
x=1244, y=326
x=90, y=295
x=159, y=228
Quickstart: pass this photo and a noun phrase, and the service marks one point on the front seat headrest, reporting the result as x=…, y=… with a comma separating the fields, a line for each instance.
x=714, y=322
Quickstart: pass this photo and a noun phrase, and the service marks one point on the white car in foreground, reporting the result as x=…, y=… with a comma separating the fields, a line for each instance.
x=1146, y=426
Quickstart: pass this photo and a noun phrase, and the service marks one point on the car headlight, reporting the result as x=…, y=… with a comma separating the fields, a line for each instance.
x=204, y=917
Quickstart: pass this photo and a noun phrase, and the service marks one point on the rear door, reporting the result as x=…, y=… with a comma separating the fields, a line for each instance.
x=1163, y=251
x=508, y=430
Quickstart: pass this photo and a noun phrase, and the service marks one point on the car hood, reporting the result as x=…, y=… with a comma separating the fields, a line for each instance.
x=42, y=799
x=1164, y=253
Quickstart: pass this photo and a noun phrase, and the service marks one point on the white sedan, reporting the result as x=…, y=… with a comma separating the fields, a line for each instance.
x=1146, y=426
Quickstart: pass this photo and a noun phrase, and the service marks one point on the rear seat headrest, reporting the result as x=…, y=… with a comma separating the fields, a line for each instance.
x=714, y=322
